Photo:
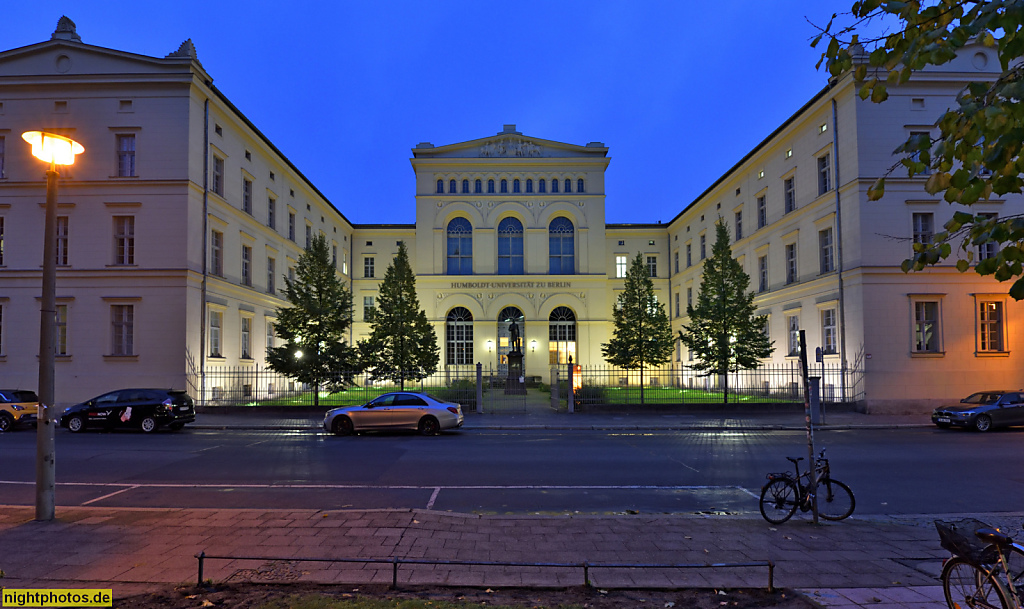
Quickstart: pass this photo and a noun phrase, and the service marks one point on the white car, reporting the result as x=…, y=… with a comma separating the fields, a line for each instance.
x=399, y=410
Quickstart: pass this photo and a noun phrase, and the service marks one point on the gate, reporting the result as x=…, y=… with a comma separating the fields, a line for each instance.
x=496, y=400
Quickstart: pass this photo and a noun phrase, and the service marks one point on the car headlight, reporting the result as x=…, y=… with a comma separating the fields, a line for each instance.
x=17, y=407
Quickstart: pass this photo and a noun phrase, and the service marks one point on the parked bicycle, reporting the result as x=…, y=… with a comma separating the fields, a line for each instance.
x=986, y=570
x=787, y=491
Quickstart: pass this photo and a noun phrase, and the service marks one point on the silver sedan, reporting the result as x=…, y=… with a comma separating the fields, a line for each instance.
x=400, y=410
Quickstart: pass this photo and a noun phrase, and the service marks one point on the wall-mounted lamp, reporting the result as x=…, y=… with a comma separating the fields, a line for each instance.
x=490, y=346
x=533, y=346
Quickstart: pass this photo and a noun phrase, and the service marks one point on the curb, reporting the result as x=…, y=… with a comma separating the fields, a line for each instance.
x=527, y=427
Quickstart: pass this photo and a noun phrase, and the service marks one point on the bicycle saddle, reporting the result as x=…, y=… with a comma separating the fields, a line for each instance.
x=796, y=460
x=993, y=536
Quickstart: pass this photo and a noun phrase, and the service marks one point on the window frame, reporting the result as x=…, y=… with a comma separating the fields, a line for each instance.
x=369, y=267
x=792, y=263
x=122, y=330
x=826, y=250
x=789, y=194
x=918, y=326
x=981, y=336
x=124, y=240
x=125, y=144
x=824, y=173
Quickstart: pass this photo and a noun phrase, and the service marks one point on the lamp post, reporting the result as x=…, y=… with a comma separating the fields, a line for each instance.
x=55, y=150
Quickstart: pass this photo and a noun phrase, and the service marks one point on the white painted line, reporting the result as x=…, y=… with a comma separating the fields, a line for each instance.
x=433, y=498
x=110, y=495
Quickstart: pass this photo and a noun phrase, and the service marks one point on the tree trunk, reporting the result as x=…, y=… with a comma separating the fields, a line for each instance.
x=316, y=393
x=725, y=386
x=641, y=384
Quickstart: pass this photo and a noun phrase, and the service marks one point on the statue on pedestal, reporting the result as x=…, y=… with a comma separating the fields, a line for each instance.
x=515, y=342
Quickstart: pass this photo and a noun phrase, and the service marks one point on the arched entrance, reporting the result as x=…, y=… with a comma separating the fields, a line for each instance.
x=506, y=318
x=561, y=336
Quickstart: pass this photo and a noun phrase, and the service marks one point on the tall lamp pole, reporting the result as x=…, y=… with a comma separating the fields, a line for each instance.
x=55, y=150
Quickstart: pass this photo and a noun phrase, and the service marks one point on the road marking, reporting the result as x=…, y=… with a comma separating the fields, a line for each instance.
x=110, y=495
x=539, y=487
x=433, y=498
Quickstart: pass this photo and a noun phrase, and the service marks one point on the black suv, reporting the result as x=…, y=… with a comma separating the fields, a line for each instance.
x=145, y=409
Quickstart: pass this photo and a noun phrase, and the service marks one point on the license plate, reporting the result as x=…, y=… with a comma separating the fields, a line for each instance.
x=182, y=407
x=942, y=420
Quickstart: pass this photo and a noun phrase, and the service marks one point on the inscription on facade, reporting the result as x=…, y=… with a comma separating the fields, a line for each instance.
x=508, y=285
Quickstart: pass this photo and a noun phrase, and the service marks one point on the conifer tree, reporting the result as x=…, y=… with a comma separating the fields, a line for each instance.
x=641, y=334
x=724, y=334
x=314, y=326
x=402, y=344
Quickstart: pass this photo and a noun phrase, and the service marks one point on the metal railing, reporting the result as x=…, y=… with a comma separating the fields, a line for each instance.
x=395, y=562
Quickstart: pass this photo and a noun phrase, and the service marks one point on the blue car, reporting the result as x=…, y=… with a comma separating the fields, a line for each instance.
x=983, y=411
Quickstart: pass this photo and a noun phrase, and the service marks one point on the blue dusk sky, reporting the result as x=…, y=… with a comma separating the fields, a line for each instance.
x=678, y=90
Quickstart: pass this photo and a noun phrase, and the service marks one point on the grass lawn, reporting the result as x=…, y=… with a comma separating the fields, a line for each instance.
x=671, y=395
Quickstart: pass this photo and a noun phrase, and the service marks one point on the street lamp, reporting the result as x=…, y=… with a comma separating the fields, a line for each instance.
x=55, y=150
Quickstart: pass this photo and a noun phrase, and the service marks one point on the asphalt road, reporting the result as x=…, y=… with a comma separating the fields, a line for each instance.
x=904, y=471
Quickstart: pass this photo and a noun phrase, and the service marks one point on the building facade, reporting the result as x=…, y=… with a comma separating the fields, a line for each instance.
x=179, y=223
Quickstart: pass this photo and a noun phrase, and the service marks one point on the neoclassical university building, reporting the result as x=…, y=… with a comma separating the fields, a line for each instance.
x=177, y=226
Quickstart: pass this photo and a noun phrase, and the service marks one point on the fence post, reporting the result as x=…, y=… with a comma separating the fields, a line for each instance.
x=571, y=395
x=554, y=387
x=479, y=388
x=201, y=556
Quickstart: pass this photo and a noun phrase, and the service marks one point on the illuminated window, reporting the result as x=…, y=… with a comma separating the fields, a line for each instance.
x=460, y=247
x=458, y=337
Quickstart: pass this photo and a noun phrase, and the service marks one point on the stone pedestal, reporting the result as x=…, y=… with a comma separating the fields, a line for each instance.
x=515, y=384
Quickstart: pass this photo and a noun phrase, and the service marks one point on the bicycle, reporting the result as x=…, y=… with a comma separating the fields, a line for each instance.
x=786, y=491
x=986, y=569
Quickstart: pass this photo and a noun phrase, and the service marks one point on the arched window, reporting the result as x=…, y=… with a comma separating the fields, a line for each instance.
x=478, y=187
x=515, y=185
x=579, y=185
x=568, y=185
x=460, y=247
x=465, y=186
x=561, y=335
x=440, y=187
x=554, y=185
x=529, y=185
x=490, y=187
x=510, y=247
x=451, y=187
x=542, y=186
x=561, y=246
x=458, y=337
x=504, y=186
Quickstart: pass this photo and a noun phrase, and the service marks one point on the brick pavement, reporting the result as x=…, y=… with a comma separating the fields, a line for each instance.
x=133, y=549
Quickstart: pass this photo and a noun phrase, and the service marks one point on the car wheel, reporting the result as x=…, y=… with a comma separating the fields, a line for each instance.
x=148, y=425
x=429, y=426
x=983, y=422
x=76, y=423
x=176, y=426
x=342, y=426
x=6, y=422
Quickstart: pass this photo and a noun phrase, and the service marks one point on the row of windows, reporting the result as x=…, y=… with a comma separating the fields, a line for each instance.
x=123, y=240
x=122, y=330
x=124, y=157
x=517, y=186
x=245, y=331
x=458, y=334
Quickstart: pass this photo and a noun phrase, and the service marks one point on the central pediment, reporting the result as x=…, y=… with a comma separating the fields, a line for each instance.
x=509, y=144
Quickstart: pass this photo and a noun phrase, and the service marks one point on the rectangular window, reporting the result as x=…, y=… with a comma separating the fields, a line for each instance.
x=62, y=330
x=620, y=266
x=291, y=226
x=291, y=273
x=926, y=136
x=824, y=176
x=247, y=196
x=334, y=256
x=246, y=337
x=217, y=253
x=927, y=335
x=122, y=329
x=2, y=156
x=344, y=262
x=1, y=241
x=675, y=260
x=271, y=276
x=246, y=265
x=762, y=273
x=689, y=256
x=652, y=266
x=367, y=307
x=826, y=248
x=270, y=336
x=216, y=322
x=791, y=271
x=124, y=239
x=1, y=329
x=793, y=324
x=829, y=336
x=990, y=327
x=677, y=304
x=924, y=227
x=762, y=212
x=789, y=189
x=125, y=156
x=739, y=225
x=309, y=236
x=217, y=180
x=703, y=246
x=990, y=249
x=368, y=266
x=272, y=212
x=62, y=240
x=689, y=297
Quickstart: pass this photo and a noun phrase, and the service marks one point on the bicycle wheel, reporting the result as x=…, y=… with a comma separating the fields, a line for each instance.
x=835, y=500
x=1015, y=562
x=779, y=499
x=967, y=586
